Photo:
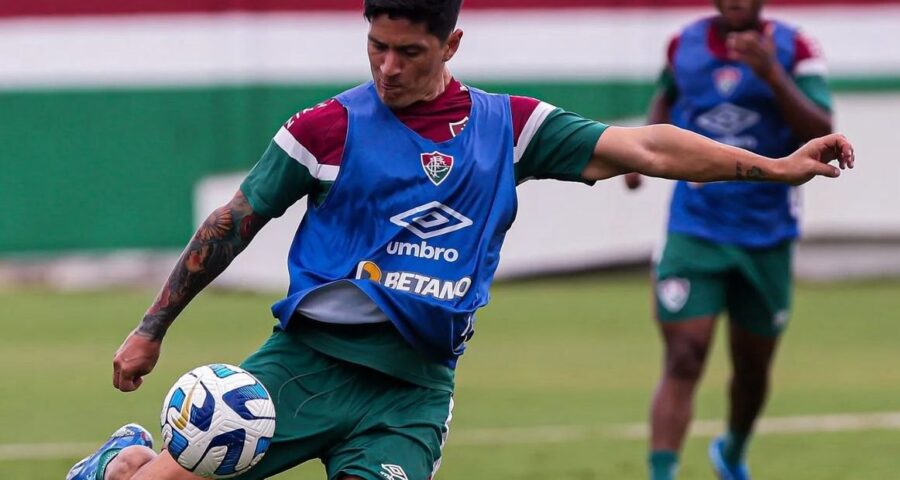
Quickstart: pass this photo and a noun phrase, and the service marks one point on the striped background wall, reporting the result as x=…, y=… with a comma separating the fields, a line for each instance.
x=19, y=8
x=111, y=111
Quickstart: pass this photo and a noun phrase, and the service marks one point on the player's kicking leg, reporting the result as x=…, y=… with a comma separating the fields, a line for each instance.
x=94, y=466
x=127, y=457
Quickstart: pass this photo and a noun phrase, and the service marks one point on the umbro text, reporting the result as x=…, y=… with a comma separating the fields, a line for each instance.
x=423, y=250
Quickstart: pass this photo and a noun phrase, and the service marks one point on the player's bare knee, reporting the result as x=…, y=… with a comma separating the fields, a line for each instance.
x=685, y=360
x=128, y=462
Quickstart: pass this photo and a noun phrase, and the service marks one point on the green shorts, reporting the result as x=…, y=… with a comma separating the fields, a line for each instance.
x=355, y=420
x=698, y=278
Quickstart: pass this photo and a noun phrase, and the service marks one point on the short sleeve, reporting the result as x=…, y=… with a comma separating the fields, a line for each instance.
x=810, y=71
x=302, y=159
x=561, y=148
x=666, y=81
x=816, y=89
x=276, y=182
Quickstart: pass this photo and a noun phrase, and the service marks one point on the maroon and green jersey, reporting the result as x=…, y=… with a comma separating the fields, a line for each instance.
x=304, y=159
x=808, y=70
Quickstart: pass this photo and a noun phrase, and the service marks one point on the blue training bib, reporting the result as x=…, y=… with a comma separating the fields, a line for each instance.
x=415, y=225
x=724, y=100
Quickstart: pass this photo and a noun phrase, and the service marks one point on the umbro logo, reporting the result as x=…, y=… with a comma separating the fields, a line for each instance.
x=728, y=119
x=431, y=220
x=392, y=472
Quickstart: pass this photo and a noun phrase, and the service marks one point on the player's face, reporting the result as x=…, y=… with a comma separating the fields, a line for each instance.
x=739, y=14
x=407, y=61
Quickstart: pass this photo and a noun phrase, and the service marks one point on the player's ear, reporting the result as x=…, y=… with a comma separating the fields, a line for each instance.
x=453, y=44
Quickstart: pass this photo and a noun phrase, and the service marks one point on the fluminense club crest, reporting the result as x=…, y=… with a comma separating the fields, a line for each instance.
x=726, y=80
x=673, y=293
x=437, y=166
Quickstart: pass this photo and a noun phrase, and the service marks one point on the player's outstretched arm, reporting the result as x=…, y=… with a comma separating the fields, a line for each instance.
x=670, y=152
x=659, y=112
x=224, y=234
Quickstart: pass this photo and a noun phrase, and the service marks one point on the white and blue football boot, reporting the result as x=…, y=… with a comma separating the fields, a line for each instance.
x=723, y=469
x=129, y=435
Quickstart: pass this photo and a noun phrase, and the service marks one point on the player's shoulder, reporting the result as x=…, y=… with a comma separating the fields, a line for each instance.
x=806, y=45
x=696, y=30
x=672, y=47
x=316, y=118
x=527, y=114
x=522, y=105
x=699, y=26
x=805, y=42
x=808, y=58
x=320, y=130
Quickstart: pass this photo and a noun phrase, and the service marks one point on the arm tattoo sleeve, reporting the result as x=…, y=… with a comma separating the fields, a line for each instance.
x=224, y=234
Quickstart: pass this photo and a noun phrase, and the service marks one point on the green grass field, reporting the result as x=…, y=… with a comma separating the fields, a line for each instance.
x=556, y=370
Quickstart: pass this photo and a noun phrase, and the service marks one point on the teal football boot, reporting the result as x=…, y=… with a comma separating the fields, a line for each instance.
x=127, y=436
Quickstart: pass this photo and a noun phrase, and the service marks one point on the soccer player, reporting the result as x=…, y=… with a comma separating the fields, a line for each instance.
x=759, y=85
x=410, y=180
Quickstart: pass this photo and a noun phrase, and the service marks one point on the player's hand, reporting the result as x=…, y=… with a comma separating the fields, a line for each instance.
x=756, y=50
x=633, y=180
x=813, y=159
x=135, y=358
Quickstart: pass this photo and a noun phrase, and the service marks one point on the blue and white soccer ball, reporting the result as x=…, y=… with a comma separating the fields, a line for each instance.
x=217, y=421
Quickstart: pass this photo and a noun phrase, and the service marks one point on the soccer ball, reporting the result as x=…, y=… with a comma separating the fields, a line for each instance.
x=217, y=421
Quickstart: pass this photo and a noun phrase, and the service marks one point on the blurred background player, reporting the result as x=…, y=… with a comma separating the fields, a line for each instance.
x=757, y=84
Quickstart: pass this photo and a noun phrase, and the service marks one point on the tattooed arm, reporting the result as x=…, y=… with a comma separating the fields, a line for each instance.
x=224, y=234
x=670, y=152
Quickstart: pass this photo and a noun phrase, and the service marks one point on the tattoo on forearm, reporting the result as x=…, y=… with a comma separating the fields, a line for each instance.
x=224, y=234
x=755, y=173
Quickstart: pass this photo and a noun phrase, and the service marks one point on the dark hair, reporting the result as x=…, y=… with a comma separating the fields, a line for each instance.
x=439, y=16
